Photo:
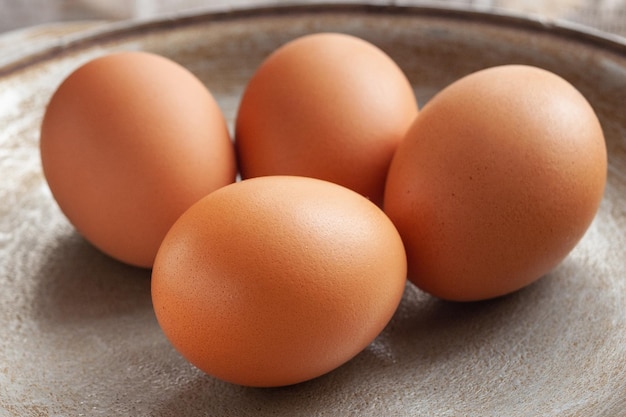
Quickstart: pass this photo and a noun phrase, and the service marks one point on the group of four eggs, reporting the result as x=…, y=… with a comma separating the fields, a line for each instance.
x=346, y=189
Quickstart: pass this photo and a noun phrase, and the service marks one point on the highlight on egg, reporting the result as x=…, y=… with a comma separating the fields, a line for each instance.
x=276, y=280
x=496, y=181
x=326, y=105
x=129, y=141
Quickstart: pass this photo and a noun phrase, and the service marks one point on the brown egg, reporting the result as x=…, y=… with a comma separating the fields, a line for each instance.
x=276, y=280
x=129, y=141
x=496, y=181
x=329, y=106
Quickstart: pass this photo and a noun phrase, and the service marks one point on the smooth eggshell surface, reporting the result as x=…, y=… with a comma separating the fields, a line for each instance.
x=129, y=141
x=276, y=280
x=496, y=181
x=328, y=106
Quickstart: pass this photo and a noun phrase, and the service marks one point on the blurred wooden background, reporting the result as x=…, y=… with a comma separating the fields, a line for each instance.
x=605, y=15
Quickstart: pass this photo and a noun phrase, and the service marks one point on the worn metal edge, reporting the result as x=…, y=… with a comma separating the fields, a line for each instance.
x=113, y=31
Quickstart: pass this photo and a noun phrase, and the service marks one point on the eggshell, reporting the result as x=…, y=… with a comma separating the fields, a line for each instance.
x=496, y=181
x=326, y=105
x=276, y=280
x=128, y=142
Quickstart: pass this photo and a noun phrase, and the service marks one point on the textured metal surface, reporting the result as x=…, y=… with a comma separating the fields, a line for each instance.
x=605, y=15
x=77, y=331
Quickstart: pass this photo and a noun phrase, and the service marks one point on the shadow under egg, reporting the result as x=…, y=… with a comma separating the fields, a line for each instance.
x=77, y=284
